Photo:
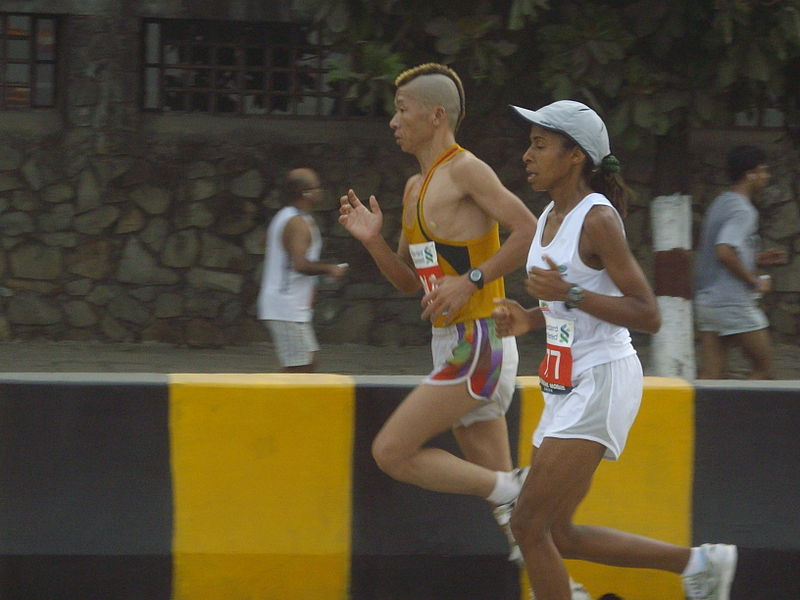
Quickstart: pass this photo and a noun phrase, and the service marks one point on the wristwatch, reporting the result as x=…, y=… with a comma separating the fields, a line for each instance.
x=476, y=277
x=574, y=296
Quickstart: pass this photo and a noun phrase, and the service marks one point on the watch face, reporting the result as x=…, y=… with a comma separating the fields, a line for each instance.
x=574, y=296
x=476, y=277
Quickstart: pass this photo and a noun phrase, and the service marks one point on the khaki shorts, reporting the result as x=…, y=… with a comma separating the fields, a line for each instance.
x=295, y=342
x=730, y=319
x=601, y=407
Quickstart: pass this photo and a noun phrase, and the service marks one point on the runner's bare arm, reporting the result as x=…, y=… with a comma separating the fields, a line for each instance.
x=604, y=238
x=365, y=225
x=479, y=182
x=512, y=319
x=729, y=257
x=771, y=256
x=296, y=239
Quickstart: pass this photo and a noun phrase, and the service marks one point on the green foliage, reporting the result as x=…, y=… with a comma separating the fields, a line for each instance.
x=523, y=11
x=369, y=72
x=652, y=68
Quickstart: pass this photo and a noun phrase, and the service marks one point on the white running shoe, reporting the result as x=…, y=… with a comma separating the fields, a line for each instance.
x=714, y=582
x=502, y=514
x=578, y=591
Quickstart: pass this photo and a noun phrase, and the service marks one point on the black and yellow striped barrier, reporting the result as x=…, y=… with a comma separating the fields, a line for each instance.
x=209, y=487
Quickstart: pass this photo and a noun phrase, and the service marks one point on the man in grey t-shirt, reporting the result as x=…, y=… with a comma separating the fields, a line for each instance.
x=726, y=280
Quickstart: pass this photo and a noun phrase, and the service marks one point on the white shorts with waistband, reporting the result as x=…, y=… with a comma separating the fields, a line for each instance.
x=295, y=342
x=601, y=407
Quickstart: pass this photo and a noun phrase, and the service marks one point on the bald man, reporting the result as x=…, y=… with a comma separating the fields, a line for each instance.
x=291, y=267
x=450, y=247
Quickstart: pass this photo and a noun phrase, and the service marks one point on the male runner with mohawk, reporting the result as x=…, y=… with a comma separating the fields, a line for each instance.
x=452, y=210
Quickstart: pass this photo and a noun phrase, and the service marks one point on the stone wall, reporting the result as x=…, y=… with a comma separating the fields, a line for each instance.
x=121, y=225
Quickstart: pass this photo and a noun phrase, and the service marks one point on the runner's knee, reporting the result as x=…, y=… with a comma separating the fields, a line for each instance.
x=529, y=525
x=566, y=537
x=531, y=529
x=389, y=455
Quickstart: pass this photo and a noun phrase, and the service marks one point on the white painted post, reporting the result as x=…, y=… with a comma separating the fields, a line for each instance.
x=672, y=349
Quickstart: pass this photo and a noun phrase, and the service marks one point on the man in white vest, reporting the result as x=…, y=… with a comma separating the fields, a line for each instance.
x=291, y=267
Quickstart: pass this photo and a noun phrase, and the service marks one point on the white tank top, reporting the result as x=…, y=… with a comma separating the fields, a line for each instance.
x=287, y=295
x=574, y=338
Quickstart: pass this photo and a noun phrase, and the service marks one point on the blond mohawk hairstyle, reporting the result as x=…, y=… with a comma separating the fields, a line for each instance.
x=435, y=69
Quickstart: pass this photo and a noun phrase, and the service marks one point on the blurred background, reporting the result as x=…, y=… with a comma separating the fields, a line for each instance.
x=141, y=142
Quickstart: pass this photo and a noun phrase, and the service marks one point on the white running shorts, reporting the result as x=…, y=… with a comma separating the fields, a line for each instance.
x=294, y=342
x=601, y=407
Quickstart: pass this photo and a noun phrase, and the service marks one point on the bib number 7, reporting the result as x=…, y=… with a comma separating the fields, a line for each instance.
x=555, y=370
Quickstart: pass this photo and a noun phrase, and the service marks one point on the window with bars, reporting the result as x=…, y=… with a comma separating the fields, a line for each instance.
x=27, y=61
x=236, y=68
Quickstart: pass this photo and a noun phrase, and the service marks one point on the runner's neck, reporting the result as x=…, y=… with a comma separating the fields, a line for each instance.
x=429, y=157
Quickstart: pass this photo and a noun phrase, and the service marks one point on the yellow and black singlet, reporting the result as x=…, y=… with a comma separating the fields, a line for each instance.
x=458, y=257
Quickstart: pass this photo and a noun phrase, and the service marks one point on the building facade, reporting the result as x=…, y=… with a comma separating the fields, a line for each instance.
x=141, y=148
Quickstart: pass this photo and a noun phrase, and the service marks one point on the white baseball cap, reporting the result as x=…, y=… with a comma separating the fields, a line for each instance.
x=574, y=120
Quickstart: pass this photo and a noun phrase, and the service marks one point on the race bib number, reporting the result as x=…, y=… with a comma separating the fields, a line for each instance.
x=555, y=371
x=426, y=262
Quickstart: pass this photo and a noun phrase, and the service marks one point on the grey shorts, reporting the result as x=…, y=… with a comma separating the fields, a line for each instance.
x=730, y=319
x=295, y=343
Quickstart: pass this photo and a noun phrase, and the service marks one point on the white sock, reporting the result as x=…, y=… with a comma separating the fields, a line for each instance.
x=697, y=563
x=506, y=488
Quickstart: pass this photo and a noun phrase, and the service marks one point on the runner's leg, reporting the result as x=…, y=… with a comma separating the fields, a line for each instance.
x=426, y=412
x=758, y=349
x=714, y=353
x=560, y=477
x=485, y=443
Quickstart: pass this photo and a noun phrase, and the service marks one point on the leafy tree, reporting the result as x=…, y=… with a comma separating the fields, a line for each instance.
x=653, y=69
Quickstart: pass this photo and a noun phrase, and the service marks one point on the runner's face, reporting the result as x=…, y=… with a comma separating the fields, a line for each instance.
x=314, y=190
x=761, y=177
x=412, y=121
x=546, y=159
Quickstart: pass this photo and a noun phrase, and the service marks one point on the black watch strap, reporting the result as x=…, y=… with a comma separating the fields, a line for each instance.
x=476, y=277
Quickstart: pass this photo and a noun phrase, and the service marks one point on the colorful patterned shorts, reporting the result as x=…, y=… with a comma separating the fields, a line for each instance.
x=472, y=352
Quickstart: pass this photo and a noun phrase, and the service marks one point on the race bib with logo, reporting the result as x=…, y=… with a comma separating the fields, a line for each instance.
x=426, y=262
x=555, y=371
